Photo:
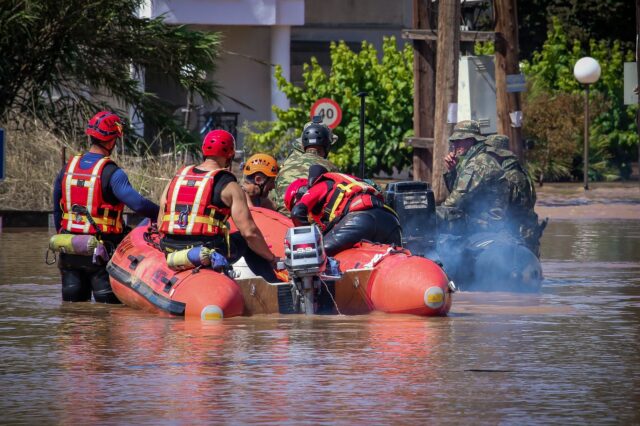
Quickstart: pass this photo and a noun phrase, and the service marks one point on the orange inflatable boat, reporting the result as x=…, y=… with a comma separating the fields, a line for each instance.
x=375, y=277
x=141, y=278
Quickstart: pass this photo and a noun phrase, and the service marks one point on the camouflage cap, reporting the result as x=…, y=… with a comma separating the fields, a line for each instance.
x=467, y=129
x=498, y=141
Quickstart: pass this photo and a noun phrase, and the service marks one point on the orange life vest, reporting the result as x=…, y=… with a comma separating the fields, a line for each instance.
x=188, y=209
x=84, y=188
x=347, y=195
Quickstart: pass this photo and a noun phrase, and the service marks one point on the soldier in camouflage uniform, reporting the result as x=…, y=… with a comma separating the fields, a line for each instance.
x=479, y=192
x=522, y=194
x=312, y=148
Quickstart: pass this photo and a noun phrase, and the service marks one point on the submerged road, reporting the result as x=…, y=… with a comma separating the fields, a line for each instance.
x=568, y=354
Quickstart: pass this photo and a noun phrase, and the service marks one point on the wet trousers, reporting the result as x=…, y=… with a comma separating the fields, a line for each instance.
x=81, y=278
x=376, y=225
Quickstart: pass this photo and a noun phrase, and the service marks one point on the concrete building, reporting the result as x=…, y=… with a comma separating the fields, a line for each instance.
x=256, y=34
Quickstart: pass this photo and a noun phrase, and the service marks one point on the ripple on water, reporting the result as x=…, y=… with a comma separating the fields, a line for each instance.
x=568, y=354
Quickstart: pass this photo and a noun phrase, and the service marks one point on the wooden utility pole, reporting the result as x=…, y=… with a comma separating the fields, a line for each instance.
x=448, y=51
x=424, y=60
x=507, y=51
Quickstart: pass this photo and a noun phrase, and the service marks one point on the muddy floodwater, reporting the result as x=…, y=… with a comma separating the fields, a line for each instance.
x=570, y=354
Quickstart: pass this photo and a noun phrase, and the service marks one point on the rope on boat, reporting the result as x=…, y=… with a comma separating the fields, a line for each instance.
x=331, y=296
x=378, y=257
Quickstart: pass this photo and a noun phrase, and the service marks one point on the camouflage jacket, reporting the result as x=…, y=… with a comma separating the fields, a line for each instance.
x=522, y=192
x=522, y=199
x=295, y=166
x=479, y=189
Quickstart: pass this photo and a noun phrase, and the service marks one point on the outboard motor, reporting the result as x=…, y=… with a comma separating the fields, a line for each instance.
x=415, y=205
x=306, y=262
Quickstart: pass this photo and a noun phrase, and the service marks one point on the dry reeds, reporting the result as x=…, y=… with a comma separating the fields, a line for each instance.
x=35, y=156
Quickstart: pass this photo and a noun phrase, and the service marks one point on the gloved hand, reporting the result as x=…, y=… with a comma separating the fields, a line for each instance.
x=218, y=261
x=333, y=267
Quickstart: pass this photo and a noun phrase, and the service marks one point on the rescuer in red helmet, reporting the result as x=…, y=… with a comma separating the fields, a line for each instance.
x=197, y=203
x=294, y=192
x=89, y=195
x=347, y=210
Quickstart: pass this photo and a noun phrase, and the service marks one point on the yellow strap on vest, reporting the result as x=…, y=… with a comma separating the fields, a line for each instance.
x=67, y=185
x=83, y=218
x=197, y=201
x=207, y=220
x=174, y=195
x=344, y=189
x=93, y=176
x=92, y=184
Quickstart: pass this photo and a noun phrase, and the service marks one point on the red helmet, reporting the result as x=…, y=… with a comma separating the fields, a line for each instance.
x=104, y=126
x=219, y=143
x=294, y=192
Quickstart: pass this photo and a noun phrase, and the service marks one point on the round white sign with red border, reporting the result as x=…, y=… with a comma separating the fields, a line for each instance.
x=329, y=110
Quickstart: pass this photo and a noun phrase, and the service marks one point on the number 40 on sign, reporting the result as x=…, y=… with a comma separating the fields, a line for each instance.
x=329, y=110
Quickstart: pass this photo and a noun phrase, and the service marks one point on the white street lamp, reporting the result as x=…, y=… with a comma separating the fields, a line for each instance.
x=586, y=71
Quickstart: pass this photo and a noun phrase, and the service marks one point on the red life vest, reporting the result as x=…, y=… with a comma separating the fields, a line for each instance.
x=347, y=195
x=188, y=209
x=84, y=188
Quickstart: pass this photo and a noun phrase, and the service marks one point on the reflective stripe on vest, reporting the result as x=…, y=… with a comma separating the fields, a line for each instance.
x=84, y=188
x=338, y=199
x=199, y=216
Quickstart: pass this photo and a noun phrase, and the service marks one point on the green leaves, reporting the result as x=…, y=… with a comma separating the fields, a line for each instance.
x=65, y=59
x=389, y=105
x=613, y=134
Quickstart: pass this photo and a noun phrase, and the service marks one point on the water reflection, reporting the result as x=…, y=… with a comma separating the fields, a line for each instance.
x=568, y=354
x=611, y=241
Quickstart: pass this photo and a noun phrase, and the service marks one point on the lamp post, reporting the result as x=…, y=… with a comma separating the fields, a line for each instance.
x=586, y=71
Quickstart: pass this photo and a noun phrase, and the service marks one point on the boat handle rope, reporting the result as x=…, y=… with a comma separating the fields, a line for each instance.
x=378, y=257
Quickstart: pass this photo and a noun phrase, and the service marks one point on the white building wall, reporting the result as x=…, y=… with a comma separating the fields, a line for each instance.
x=244, y=72
x=255, y=35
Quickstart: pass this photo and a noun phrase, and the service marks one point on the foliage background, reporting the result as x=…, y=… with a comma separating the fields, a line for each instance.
x=389, y=106
x=62, y=61
x=583, y=20
x=554, y=111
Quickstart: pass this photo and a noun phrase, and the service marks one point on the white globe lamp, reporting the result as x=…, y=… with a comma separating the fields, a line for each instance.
x=586, y=71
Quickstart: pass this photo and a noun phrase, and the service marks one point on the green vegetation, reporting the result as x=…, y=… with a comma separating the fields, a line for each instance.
x=389, y=105
x=64, y=60
x=554, y=110
x=582, y=20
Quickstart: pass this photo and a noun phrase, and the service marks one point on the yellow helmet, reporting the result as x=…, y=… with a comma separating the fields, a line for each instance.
x=261, y=163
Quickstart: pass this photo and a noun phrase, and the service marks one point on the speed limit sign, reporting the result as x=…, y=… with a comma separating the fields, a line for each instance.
x=329, y=110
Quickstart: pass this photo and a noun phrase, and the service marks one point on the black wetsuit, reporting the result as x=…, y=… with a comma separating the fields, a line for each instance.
x=376, y=224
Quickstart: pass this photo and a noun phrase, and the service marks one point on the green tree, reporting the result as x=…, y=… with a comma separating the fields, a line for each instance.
x=389, y=105
x=63, y=60
x=583, y=20
x=613, y=136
